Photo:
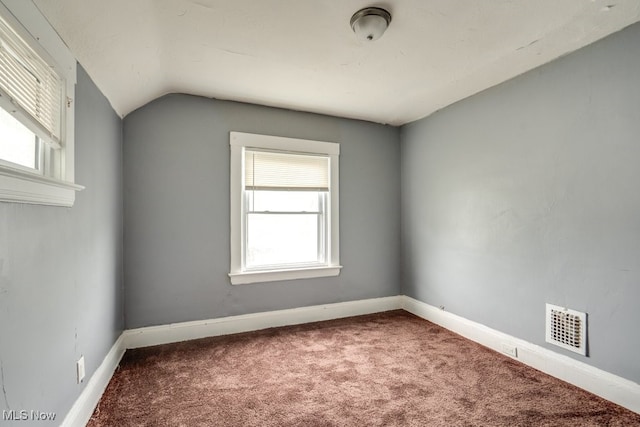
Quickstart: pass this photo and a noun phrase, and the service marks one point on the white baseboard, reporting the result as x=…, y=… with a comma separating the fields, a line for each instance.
x=176, y=332
x=604, y=384
x=83, y=408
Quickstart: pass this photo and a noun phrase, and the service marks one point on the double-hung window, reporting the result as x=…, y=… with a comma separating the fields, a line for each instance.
x=36, y=117
x=284, y=208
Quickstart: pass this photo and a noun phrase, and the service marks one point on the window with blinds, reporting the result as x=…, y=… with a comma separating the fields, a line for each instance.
x=284, y=208
x=31, y=86
x=37, y=89
x=286, y=217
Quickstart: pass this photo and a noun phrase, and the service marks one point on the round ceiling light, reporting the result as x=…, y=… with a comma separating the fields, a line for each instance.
x=370, y=23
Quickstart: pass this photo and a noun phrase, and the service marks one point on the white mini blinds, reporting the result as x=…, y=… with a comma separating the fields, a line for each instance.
x=269, y=170
x=31, y=86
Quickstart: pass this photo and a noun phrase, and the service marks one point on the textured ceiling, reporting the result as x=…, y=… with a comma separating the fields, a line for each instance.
x=303, y=55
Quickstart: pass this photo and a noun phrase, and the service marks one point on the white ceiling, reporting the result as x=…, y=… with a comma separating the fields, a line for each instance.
x=302, y=55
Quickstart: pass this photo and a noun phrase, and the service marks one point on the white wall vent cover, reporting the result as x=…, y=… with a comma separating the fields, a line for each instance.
x=567, y=328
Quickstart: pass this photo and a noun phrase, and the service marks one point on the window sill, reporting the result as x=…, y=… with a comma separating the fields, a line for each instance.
x=278, y=275
x=24, y=187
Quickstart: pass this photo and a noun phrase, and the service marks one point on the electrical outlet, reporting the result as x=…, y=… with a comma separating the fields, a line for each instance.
x=80, y=369
x=510, y=350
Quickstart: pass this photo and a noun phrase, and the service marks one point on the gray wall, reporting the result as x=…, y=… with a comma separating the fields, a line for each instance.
x=528, y=193
x=176, y=170
x=61, y=272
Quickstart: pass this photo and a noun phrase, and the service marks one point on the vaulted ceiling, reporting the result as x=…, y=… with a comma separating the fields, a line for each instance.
x=303, y=55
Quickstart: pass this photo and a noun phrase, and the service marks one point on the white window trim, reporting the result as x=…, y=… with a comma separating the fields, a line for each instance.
x=17, y=185
x=238, y=141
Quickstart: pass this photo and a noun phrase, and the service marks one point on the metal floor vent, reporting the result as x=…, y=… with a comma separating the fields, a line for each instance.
x=567, y=329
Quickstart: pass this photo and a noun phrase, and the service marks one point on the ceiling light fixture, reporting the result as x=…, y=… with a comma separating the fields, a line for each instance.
x=370, y=23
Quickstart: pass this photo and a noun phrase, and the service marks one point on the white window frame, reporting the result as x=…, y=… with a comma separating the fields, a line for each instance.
x=238, y=141
x=57, y=187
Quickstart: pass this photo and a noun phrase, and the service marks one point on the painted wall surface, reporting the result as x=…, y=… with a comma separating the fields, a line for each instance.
x=61, y=293
x=176, y=171
x=528, y=193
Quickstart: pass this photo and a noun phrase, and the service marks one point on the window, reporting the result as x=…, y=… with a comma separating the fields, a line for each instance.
x=37, y=81
x=284, y=208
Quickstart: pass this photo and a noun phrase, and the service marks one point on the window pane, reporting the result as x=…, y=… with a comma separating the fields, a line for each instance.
x=283, y=201
x=17, y=143
x=281, y=239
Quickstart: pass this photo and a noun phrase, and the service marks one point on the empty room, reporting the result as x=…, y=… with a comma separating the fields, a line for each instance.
x=319, y=213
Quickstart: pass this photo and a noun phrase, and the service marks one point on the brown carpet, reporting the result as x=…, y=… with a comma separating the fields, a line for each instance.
x=387, y=369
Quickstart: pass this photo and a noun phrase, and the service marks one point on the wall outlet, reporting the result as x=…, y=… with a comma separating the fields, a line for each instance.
x=510, y=350
x=80, y=369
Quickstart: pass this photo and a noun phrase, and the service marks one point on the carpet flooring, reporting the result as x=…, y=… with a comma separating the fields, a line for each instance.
x=385, y=369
